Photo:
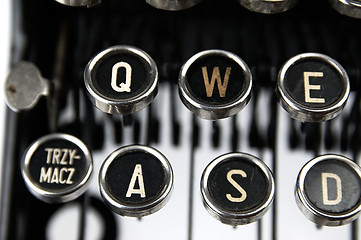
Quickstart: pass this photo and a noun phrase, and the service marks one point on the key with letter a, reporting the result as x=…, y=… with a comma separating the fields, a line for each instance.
x=135, y=181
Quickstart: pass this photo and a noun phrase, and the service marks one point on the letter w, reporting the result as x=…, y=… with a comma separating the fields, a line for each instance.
x=222, y=87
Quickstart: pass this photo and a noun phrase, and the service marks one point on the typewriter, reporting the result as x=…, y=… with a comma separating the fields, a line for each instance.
x=182, y=119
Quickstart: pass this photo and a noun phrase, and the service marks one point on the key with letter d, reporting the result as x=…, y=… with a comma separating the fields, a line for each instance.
x=328, y=190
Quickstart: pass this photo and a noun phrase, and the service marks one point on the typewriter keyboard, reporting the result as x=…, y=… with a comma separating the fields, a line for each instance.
x=182, y=119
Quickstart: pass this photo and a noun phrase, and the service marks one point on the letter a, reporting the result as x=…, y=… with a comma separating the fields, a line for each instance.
x=326, y=200
x=222, y=87
x=137, y=173
x=236, y=185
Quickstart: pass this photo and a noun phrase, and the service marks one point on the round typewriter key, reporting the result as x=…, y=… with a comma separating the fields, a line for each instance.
x=351, y=8
x=237, y=188
x=172, y=5
x=25, y=86
x=215, y=84
x=121, y=80
x=268, y=6
x=328, y=190
x=57, y=168
x=135, y=181
x=313, y=87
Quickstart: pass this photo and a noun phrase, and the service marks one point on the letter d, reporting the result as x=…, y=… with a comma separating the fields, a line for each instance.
x=325, y=197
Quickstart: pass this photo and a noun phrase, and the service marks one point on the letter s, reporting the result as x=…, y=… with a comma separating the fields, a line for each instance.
x=236, y=185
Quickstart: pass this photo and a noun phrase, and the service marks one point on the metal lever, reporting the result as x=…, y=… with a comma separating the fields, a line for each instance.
x=24, y=86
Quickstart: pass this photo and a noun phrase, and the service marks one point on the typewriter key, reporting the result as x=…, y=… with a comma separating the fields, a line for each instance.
x=328, y=190
x=215, y=84
x=135, y=181
x=268, y=6
x=173, y=5
x=78, y=3
x=313, y=87
x=237, y=188
x=121, y=80
x=25, y=86
x=350, y=8
x=57, y=168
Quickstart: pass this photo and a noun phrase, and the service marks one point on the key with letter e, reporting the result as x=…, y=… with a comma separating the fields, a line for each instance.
x=313, y=87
